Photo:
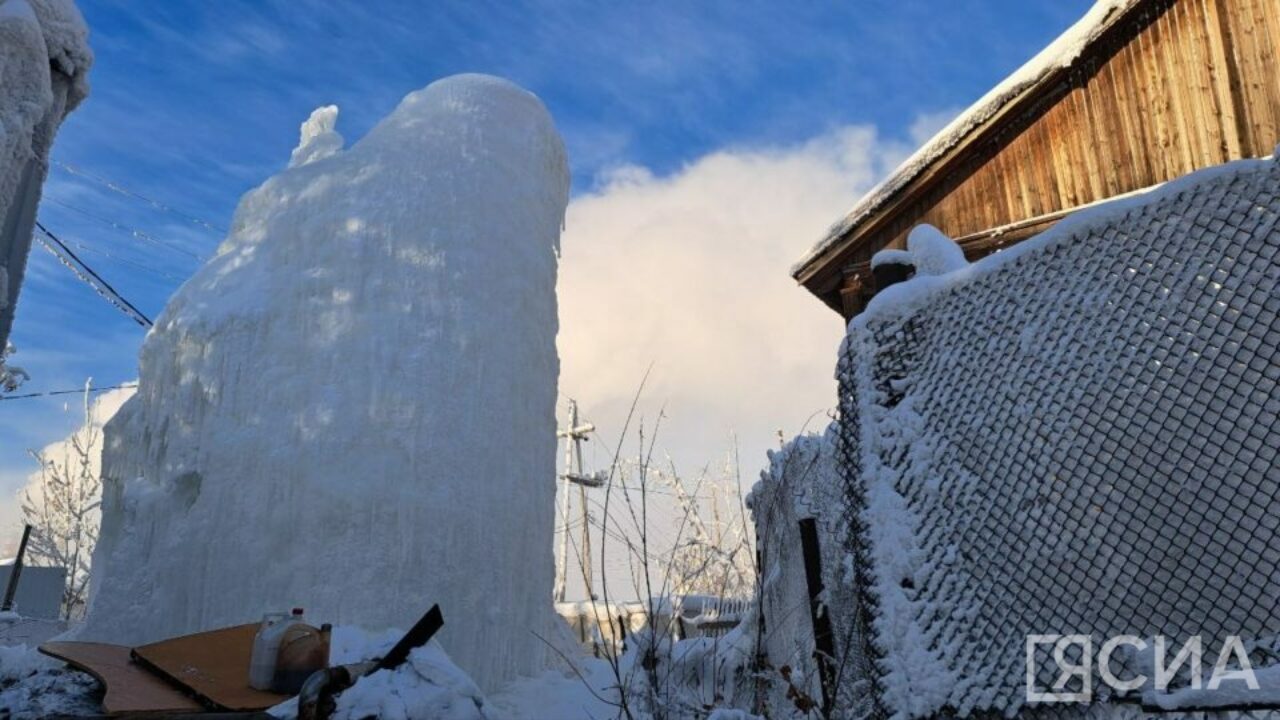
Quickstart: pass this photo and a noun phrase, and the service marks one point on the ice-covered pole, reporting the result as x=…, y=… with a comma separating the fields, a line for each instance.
x=44, y=63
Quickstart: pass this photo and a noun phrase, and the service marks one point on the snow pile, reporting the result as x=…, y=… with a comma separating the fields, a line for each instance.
x=428, y=685
x=690, y=678
x=932, y=252
x=1058, y=55
x=591, y=692
x=928, y=251
x=351, y=408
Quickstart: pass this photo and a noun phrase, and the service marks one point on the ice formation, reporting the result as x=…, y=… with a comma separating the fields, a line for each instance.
x=351, y=407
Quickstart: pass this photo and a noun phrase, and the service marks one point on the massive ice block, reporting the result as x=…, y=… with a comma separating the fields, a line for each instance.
x=351, y=408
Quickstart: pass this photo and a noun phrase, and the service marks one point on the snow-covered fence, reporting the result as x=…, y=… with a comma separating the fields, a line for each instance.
x=39, y=591
x=603, y=628
x=802, y=483
x=1078, y=435
x=708, y=615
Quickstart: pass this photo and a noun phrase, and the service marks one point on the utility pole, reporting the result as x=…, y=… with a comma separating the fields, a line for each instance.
x=574, y=435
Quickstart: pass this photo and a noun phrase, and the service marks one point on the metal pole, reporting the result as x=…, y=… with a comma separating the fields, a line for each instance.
x=582, y=498
x=16, y=572
x=574, y=434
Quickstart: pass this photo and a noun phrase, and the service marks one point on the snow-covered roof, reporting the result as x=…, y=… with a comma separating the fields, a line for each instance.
x=1061, y=53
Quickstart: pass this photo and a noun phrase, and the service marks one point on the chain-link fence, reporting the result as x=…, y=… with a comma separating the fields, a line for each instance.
x=1082, y=439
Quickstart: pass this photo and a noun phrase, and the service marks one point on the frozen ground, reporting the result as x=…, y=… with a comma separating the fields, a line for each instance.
x=35, y=686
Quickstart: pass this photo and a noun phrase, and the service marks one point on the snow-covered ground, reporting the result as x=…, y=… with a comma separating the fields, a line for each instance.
x=429, y=686
x=35, y=686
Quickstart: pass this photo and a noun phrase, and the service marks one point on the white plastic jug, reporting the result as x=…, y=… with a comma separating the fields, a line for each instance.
x=266, y=645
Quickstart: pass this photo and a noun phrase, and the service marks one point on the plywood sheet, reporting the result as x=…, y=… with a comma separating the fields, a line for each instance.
x=213, y=666
x=129, y=687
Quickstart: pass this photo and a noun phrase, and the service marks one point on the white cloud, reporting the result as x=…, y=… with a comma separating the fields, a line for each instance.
x=689, y=273
x=103, y=408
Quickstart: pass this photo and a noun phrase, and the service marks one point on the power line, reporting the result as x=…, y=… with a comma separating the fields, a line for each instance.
x=126, y=261
x=86, y=274
x=48, y=393
x=118, y=188
x=136, y=233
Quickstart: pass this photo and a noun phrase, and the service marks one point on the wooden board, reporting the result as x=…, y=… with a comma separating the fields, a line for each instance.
x=213, y=666
x=128, y=687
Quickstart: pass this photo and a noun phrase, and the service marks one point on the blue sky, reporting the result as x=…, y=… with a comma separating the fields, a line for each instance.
x=195, y=102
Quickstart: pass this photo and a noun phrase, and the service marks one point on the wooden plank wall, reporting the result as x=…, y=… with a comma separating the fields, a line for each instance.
x=1176, y=86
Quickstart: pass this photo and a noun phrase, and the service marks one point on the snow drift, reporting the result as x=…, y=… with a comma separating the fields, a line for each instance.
x=351, y=407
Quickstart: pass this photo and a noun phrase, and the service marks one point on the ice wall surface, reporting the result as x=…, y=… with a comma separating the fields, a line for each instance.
x=351, y=407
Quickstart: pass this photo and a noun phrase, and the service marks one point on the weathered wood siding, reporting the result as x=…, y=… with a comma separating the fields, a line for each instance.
x=1173, y=86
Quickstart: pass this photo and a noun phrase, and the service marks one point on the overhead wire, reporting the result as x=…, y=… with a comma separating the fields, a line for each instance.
x=135, y=232
x=122, y=190
x=126, y=261
x=87, y=275
x=48, y=393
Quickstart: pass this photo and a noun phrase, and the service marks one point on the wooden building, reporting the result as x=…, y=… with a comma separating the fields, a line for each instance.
x=1137, y=93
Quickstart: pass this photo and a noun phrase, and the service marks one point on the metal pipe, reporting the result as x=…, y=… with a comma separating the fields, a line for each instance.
x=315, y=700
x=16, y=572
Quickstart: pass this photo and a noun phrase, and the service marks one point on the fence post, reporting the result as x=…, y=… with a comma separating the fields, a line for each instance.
x=760, y=660
x=824, y=651
x=16, y=572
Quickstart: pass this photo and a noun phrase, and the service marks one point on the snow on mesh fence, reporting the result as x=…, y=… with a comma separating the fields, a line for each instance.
x=1081, y=440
